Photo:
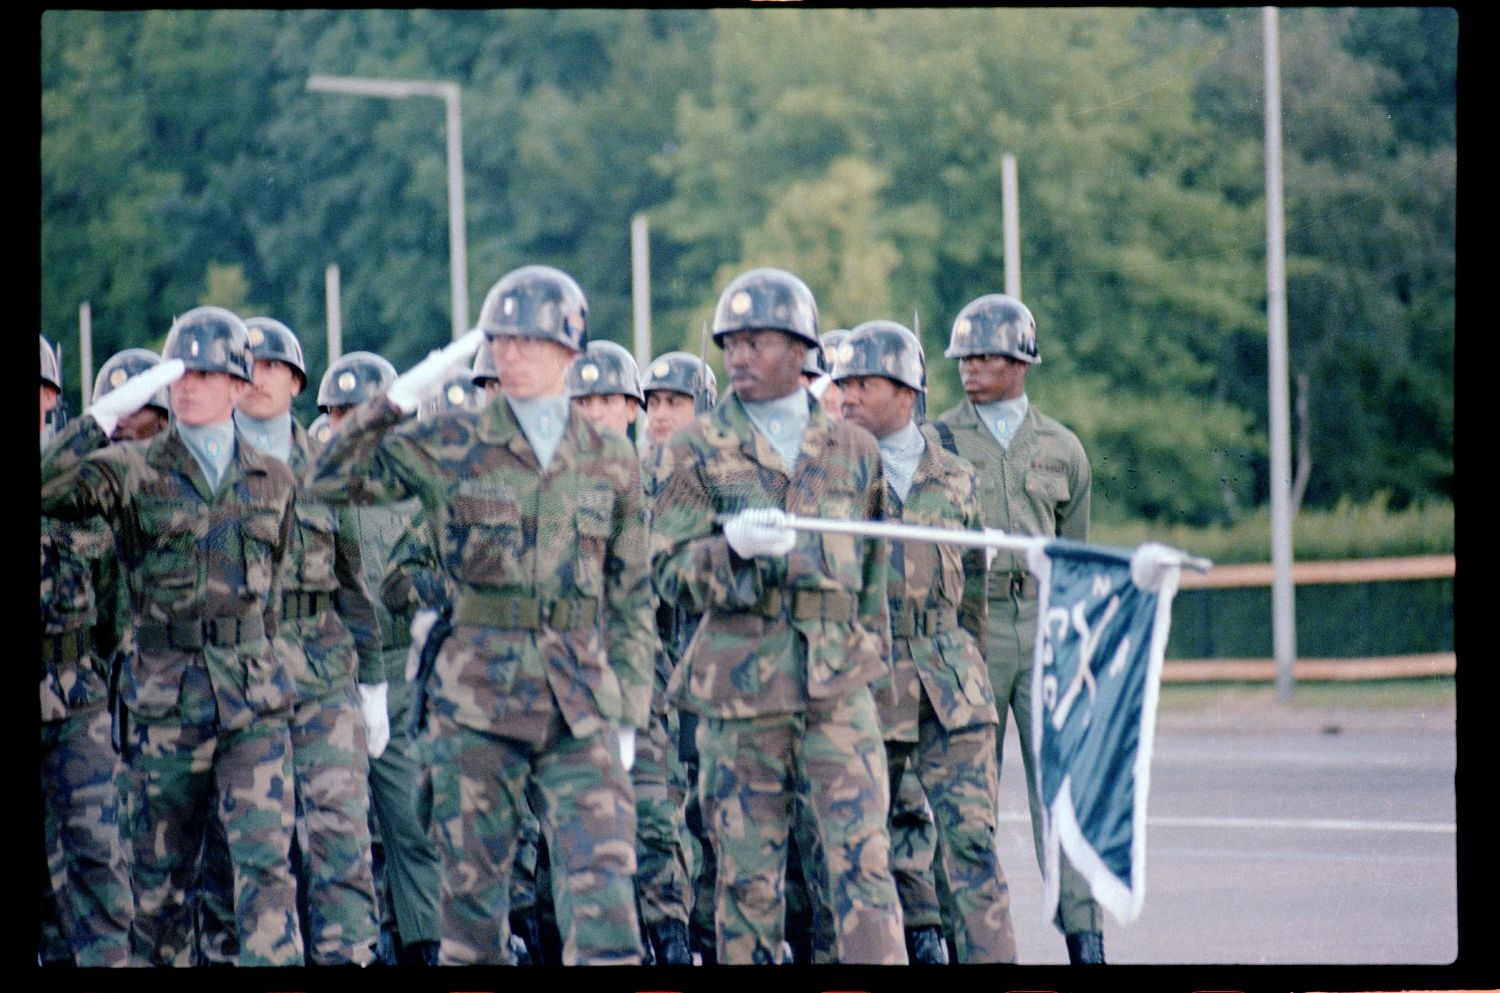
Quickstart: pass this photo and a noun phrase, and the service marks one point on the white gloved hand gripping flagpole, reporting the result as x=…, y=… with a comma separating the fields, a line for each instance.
x=991, y=539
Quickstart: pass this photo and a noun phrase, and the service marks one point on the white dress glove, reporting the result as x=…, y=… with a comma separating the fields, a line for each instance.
x=409, y=388
x=759, y=531
x=990, y=553
x=133, y=394
x=627, y=747
x=1150, y=565
x=421, y=623
x=372, y=700
x=820, y=386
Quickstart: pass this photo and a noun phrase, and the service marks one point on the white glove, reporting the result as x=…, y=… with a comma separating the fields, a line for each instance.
x=421, y=623
x=407, y=391
x=1151, y=563
x=820, y=386
x=377, y=717
x=133, y=394
x=990, y=553
x=759, y=531
x=627, y=747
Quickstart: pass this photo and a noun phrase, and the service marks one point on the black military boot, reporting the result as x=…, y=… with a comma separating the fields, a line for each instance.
x=1086, y=948
x=669, y=943
x=924, y=946
x=526, y=941
x=420, y=953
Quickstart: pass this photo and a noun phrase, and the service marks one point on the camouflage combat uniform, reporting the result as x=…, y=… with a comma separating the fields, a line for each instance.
x=550, y=650
x=914, y=860
x=330, y=640
x=1040, y=485
x=937, y=709
x=87, y=875
x=779, y=672
x=663, y=883
x=410, y=870
x=414, y=581
x=207, y=696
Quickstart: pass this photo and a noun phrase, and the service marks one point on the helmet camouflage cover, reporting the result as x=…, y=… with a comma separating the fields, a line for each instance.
x=605, y=368
x=121, y=366
x=271, y=339
x=211, y=339
x=881, y=348
x=536, y=301
x=767, y=299
x=354, y=378
x=994, y=324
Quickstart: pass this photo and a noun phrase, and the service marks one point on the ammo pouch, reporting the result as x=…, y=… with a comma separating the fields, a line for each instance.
x=436, y=635
x=910, y=619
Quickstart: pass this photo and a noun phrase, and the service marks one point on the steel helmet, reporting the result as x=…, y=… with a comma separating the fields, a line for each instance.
x=321, y=429
x=536, y=301
x=681, y=372
x=121, y=366
x=211, y=339
x=764, y=299
x=354, y=378
x=994, y=324
x=483, y=370
x=271, y=339
x=456, y=392
x=881, y=348
x=605, y=368
x=51, y=368
x=820, y=360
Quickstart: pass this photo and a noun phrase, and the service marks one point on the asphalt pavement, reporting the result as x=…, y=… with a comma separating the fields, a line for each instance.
x=1277, y=834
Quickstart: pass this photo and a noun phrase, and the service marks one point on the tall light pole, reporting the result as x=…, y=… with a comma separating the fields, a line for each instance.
x=1283, y=600
x=448, y=92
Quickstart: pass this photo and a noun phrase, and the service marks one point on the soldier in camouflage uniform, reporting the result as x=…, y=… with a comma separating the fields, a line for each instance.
x=793, y=631
x=1034, y=479
x=537, y=692
x=409, y=871
x=604, y=385
x=86, y=876
x=330, y=640
x=937, y=709
x=678, y=387
x=201, y=522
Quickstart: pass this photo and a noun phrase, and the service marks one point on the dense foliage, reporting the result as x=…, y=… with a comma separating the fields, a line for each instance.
x=184, y=161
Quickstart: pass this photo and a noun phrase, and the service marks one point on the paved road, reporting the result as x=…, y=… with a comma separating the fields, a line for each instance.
x=1278, y=836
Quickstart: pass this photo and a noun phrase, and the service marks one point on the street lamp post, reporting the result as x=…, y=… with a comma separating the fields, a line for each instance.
x=448, y=93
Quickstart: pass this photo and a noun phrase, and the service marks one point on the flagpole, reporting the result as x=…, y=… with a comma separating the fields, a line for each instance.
x=988, y=538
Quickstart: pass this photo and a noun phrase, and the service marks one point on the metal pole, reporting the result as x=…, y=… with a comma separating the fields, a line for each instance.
x=640, y=288
x=988, y=538
x=449, y=94
x=457, y=240
x=1283, y=607
x=335, y=314
x=1010, y=214
x=86, y=352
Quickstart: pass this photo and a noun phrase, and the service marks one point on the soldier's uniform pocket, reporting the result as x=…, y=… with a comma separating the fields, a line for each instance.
x=170, y=565
x=1046, y=489
x=317, y=528
x=268, y=686
x=593, y=521
x=963, y=660
x=486, y=528
x=261, y=531
x=151, y=683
